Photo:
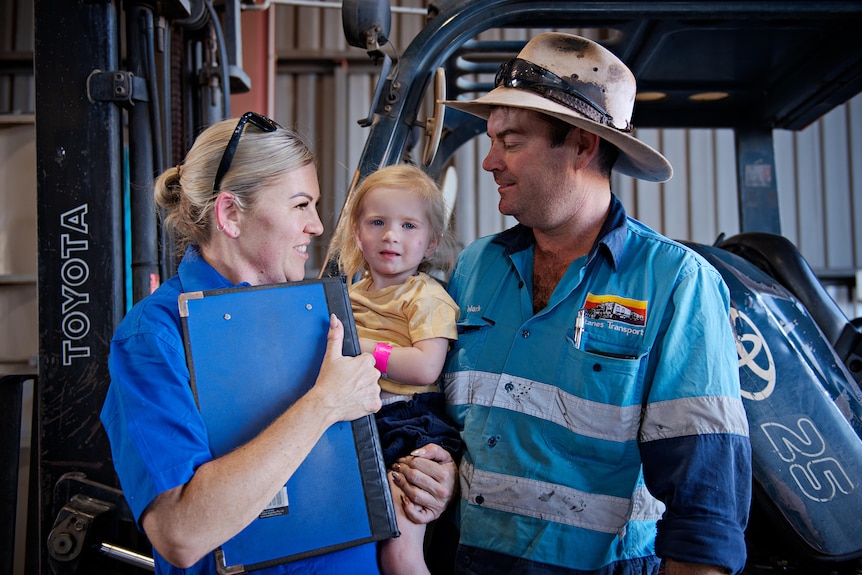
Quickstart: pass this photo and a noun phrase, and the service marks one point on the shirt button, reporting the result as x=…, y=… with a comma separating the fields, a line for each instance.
x=525, y=334
x=492, y=441
x=597, y=367
x=480, y=500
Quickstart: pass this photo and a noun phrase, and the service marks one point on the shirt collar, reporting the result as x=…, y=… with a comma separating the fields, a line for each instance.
x=609, y=243
x=196, y=274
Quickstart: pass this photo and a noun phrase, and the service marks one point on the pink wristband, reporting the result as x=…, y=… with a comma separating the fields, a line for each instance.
x=381, y=357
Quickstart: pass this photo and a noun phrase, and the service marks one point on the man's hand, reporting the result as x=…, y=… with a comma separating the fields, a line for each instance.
x=429, y=479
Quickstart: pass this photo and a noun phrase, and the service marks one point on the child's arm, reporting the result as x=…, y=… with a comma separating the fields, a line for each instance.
x=420, y=364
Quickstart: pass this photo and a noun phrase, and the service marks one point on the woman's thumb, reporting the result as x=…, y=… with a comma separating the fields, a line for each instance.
x=335, y=337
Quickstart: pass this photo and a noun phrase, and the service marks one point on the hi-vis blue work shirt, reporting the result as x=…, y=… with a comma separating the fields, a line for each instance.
x=158, y=438
x=573, y=453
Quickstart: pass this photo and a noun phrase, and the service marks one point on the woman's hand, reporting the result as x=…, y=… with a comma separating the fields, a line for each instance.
x=346, y=387
x=429, y=479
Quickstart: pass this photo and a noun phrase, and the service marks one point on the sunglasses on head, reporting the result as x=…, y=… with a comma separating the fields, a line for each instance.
x=522, y=74
x=262, y=122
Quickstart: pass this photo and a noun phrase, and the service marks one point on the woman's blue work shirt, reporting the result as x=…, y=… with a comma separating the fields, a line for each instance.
x=158, y=438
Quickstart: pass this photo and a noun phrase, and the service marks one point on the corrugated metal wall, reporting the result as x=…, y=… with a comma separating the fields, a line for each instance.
x=324, y=87
x=18, y=265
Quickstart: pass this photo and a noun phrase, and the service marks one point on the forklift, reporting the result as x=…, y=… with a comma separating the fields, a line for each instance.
x=105, y=124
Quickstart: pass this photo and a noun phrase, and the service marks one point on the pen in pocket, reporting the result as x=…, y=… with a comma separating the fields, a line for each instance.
x=579, y=328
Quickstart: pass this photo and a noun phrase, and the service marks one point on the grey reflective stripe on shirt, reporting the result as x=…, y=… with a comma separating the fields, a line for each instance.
x=694, y=416
x=546, y=402
x=557, y=503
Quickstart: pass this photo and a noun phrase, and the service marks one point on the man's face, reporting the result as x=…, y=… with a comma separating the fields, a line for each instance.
x=535, y=181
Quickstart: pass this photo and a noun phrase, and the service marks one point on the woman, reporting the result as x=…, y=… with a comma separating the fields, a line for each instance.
x=245, y=201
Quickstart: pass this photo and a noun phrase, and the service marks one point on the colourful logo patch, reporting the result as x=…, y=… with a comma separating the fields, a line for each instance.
x=616, y=308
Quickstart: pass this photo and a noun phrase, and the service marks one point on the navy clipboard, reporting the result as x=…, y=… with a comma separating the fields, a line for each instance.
x=252, y=352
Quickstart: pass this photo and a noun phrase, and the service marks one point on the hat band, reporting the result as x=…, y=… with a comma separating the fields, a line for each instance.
x=524, y=75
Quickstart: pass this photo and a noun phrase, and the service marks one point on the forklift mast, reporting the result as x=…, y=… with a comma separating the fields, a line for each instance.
x=107, y=124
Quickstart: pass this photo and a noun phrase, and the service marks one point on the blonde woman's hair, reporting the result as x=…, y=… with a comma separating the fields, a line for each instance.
x=185, y=192
x=409, y=178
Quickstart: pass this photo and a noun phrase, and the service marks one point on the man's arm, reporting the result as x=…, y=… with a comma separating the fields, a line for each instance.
x=694, y=433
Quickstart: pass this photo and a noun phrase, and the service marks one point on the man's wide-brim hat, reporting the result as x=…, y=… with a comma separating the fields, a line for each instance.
x=581, y=83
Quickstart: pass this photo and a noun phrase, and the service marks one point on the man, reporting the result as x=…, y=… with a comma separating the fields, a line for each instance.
x=595, y=374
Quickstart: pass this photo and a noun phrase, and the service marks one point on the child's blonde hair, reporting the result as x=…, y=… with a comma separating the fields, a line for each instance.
x=410, y=179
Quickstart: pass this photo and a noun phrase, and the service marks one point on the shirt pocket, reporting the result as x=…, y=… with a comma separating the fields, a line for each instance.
x=472, y=333
x=596, y=415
